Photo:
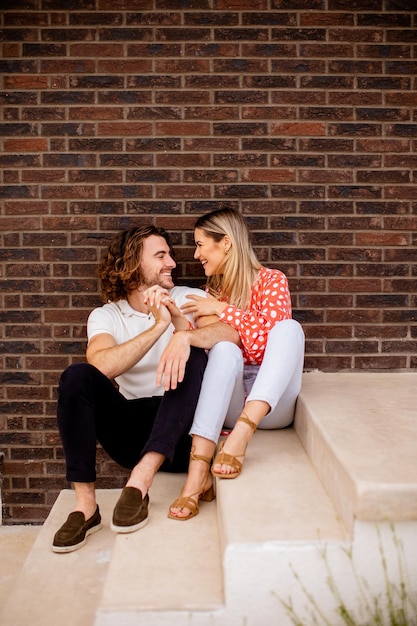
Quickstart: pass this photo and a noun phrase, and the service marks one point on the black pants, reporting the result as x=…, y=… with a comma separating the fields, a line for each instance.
x=91, y=409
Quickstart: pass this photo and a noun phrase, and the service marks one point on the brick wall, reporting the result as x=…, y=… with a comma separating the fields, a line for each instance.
x=299, y=113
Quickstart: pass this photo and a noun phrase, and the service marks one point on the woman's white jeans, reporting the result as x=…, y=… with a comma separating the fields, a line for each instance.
x=228, y=384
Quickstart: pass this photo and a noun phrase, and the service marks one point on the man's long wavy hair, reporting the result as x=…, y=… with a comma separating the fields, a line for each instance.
x=240, y=267
x=120, y=268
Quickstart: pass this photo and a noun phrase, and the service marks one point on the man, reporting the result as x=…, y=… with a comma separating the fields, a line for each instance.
x=141, y=425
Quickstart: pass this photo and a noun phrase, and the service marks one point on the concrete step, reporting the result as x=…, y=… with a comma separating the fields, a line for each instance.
x=168, y=566
x=332, y=499
x=360, y=432
x=173, y=569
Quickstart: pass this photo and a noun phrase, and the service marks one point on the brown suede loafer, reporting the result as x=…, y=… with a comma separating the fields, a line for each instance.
x=131, y=511
x=74, y=532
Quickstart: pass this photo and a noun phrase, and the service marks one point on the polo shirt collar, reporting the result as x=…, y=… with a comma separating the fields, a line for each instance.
x=127, y=310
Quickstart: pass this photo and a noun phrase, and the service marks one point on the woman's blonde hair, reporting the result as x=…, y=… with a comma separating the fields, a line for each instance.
x=239, y=269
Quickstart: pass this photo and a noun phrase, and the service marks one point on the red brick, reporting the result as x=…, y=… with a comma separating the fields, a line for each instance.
x=323, y=176
x=25, y=145
x=96, y=50
x=383, y=239
x=69, y=191
x=10, y=50
x=298, y=128
x=95, y=113
x=328, y=18
x=400, y=193
x=115, y=129
x=268, y=175
x=183, y=191
x=182, y=128
x=241, y=5
x=379, y=362
x=25, y=82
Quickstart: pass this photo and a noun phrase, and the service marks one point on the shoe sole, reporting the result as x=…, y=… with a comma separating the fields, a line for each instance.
x=129, y=529
x=77, y=546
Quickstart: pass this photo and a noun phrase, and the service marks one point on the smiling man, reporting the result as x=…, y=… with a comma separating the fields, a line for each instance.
x=114, y=398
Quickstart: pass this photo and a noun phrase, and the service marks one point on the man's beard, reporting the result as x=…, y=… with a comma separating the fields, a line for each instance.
x=159, y=279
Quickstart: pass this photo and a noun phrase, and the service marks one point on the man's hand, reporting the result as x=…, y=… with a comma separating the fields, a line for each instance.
x=171, y=368
x=156, y=297
x=172, y=364
x=161, y=314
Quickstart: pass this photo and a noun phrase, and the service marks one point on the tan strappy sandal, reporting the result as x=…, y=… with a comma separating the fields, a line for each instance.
x=191, y=502
x=222, y=458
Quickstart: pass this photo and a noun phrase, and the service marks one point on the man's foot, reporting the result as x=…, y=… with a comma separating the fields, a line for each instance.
x=131, y=511
x=74, y=532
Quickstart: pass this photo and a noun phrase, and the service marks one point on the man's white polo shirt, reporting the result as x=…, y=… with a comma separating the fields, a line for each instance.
x=123, y=323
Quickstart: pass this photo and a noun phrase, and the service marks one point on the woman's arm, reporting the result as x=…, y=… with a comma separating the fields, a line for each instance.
x=171, y=368
x=270, y=303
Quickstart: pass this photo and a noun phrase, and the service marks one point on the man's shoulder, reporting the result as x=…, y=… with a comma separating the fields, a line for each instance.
x=180, y=293
x=107, y=306
x=109, y=309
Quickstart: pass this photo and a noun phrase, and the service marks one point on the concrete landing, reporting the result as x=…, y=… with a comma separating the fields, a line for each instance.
x=15, y=544
x=61, y=589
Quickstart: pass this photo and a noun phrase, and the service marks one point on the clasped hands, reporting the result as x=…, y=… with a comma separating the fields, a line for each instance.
x=161, y=305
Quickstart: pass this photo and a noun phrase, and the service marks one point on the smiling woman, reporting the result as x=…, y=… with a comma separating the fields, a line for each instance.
x=246, y=387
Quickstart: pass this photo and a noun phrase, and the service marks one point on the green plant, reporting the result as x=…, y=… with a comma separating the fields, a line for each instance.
x=395, y=606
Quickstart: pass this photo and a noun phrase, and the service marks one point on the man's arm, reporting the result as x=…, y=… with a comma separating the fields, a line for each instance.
x=114, y=359
x=171, y=368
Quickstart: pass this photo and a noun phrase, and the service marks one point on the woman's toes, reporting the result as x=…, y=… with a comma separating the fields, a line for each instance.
x=222, y=469
x=180, y=512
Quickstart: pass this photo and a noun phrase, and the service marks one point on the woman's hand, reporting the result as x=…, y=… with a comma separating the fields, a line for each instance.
x=200, y=306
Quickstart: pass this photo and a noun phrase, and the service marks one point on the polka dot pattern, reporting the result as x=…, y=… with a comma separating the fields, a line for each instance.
x=270, y=303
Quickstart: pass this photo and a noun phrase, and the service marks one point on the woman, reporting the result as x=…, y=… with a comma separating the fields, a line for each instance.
x=254, y=385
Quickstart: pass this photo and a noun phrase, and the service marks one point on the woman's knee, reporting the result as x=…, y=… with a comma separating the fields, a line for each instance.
x=226, y=354
x=289, y=326
x=290, y=330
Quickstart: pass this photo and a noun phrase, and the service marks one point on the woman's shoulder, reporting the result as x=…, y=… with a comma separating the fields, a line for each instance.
x=267, y=274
